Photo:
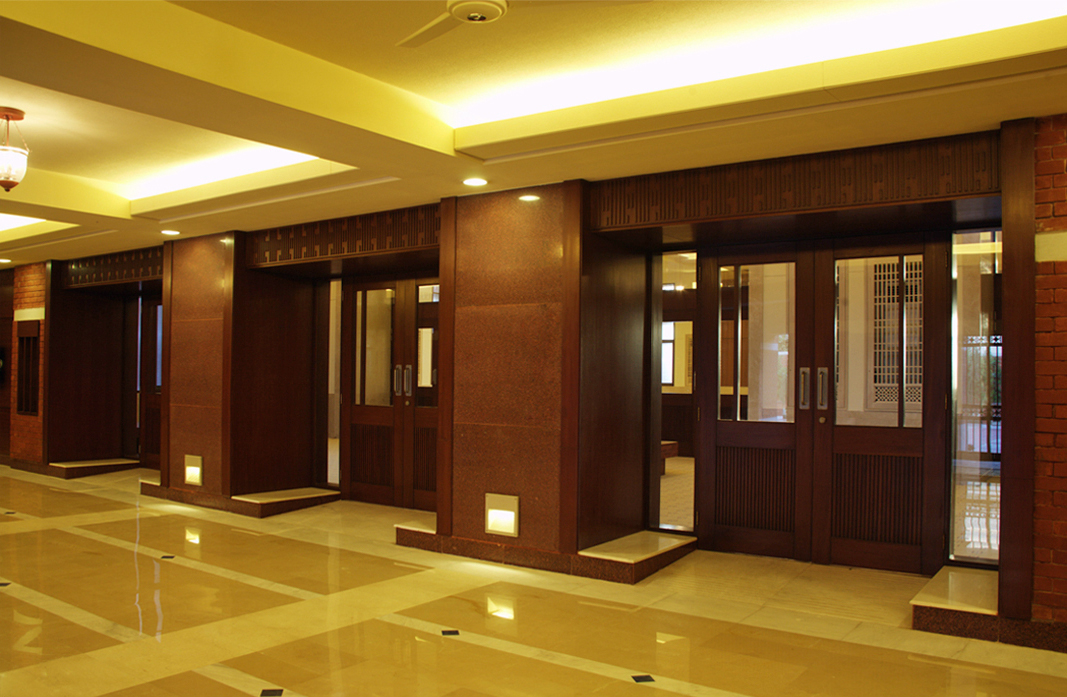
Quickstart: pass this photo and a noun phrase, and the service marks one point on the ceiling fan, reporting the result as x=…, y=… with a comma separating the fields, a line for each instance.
x=458, y=12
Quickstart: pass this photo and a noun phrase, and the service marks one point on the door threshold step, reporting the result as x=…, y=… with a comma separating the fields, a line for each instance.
x=626, y=560
x=271, y=503
x=958, y=601
x=86, y=468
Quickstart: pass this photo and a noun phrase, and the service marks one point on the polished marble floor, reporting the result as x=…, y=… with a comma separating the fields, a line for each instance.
x=104, y=592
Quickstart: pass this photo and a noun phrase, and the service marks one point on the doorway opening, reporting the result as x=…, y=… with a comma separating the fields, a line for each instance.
x=677, y=399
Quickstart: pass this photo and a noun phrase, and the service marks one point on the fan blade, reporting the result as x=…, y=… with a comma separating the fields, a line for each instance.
x=434, y=29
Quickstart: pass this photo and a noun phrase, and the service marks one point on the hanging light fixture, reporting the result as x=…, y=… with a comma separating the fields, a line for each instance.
x=12, y=158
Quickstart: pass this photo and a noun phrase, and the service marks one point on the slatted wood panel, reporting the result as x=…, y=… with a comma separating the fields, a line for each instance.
x=755, y=488
x=120, y=267
x=425, y=475
x=877, y=498
x=937, y=169
x=372, y=454
x=390, y=231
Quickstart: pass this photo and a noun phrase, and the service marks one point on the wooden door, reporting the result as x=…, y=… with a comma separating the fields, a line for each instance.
x=389, y=392
x=150, y=382
x=827, y=440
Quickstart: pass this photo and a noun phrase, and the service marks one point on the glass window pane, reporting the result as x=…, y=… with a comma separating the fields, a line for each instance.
x=426, y=369
x=868, y=342
x=667, y=363
x=976, y=350
x=767, y=363
x=429, y=294
x=728, y=313
x=668, y=331
x=913, y=341
x=379, y=347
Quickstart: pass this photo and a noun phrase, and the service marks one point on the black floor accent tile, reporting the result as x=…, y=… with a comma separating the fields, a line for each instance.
x=273, y=692
x=2, y=585
x=643, y=678
x=9, y=513
x=449, y=632
x=167, y=556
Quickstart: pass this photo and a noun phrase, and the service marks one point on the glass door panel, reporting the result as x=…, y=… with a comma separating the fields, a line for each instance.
x=756, y=324
x=976, y=350
x=879, y=309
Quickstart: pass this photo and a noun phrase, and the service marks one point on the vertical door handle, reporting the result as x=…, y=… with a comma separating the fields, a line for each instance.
x=822, y=399
x=407, y=380
x=805, y=388
x=396, y=380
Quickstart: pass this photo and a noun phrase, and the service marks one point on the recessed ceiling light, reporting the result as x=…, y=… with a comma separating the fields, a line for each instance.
x=475, y=181
x=5, y=261
x=170, y=232
x=529, y=197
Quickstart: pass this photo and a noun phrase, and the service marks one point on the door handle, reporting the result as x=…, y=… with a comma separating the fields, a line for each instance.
x=822, y=398
x=805, y=389
x=396, y=380
x=407, y=380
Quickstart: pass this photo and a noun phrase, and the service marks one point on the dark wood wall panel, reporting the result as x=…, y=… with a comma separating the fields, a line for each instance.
x=372, y=454
x=84, y=383
x=425, y=476
x=877, y=498
x=755, y=488
x=937, y=169
x=107, y=269
x=390, y=231
x=7, y=314
x=272, y=399
x=611, y=434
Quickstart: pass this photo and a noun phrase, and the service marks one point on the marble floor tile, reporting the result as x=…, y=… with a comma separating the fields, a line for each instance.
x=322, y=602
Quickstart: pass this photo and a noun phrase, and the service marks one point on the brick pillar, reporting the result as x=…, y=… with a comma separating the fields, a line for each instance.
x=27, y=431
x=1050, y=457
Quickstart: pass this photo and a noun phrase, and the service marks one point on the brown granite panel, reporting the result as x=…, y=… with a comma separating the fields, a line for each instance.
x=507, y=554
x=198, y=277
x=510, y=460
x=510, y=251
x=507, y=365
x=1050, y=636
x=196, y=362
x=602, y=569
x=955, y=623
x=418, y=539
x=196, y=430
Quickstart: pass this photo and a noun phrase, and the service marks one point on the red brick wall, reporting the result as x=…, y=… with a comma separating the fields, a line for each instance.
x=27, y=432
x=1050, y=458
x=1050, y=179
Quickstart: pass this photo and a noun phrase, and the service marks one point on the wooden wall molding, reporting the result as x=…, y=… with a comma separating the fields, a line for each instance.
x=120, y=267
x=926, y=170
x=358, y=235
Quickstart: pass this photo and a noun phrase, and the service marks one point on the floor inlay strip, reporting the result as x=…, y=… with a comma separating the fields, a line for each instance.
x=229, y=574
x=679, y=687
x=71, y=613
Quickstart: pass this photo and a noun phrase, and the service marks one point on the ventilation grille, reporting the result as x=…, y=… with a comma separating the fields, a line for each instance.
x=425, y=478
x=877, y=498
x=372, y=455
x=408, y=228
x=120, y=267
x=923, y=170
x=755, y=488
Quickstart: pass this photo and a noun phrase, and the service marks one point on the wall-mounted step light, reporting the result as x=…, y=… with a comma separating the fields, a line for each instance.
x=194, y=470
x=502, y=515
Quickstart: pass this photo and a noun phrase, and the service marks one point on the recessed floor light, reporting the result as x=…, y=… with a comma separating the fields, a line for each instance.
x=529, y=197
x=475, y=181
x=170, y=232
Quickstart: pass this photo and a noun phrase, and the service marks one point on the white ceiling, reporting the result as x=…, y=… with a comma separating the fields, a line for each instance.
x=117, y=93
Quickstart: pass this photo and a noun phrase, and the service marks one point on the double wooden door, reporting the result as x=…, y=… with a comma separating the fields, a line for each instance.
x=388, y=449
x=826, y=425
